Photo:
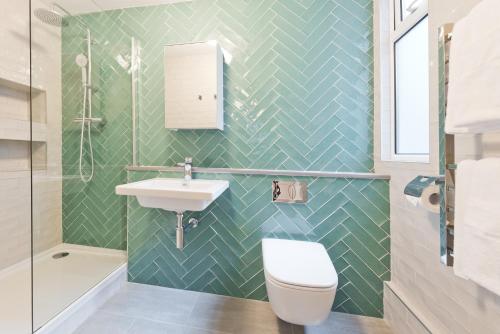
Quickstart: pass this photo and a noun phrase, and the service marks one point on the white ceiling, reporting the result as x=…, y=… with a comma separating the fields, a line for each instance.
x=88, y=6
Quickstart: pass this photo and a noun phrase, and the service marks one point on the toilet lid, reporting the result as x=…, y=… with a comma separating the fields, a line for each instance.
x=299, y=263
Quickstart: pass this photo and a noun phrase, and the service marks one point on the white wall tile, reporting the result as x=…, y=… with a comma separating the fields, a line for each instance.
x=432, y=293
x=15, y=197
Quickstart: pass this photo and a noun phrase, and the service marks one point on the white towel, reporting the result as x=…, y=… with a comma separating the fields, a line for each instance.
x=474, y=85
x=477, y=222
x=463, y=179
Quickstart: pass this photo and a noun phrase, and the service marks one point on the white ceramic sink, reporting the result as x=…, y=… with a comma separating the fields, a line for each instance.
x=173, y=195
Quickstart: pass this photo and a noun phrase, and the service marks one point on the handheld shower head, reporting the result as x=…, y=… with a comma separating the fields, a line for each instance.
x=82, y=61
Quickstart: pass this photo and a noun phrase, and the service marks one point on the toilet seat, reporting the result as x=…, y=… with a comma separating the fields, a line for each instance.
x=297, y=287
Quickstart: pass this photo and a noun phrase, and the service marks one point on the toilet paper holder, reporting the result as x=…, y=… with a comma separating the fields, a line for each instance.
x=418, y=184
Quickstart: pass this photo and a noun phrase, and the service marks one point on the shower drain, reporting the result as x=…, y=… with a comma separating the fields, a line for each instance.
x=60, y=255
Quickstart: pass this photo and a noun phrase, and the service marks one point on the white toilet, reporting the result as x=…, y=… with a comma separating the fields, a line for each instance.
x=301, y=280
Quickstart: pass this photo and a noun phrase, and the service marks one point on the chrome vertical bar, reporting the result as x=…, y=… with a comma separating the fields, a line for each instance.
x=89, y=71
x=447, y=228
x=134, y=100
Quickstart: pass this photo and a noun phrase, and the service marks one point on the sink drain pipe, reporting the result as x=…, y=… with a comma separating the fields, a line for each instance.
x=179, y=231
x=181, y=228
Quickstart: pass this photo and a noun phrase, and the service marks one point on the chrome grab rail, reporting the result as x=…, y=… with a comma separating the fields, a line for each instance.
x=269, y=172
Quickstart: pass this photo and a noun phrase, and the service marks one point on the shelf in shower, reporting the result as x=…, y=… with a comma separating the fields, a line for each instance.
x=19, y=105
x=12, y=129
x=19, y=86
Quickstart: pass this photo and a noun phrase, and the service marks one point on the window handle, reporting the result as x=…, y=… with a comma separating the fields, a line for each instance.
x=412, y=8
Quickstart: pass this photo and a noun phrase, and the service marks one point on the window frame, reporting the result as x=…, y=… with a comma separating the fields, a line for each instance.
x=398, y=29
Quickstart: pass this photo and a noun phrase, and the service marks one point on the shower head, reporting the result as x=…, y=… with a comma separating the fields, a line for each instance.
x=49, y=16
x=81, y=60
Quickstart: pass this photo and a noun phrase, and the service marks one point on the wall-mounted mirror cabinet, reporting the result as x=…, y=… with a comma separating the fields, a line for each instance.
x=194, y=86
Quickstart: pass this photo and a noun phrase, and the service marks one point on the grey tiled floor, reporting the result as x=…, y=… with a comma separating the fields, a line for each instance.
x=144, y=309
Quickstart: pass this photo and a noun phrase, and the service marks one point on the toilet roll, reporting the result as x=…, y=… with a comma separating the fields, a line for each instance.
x=430, y=199
x=423, y=192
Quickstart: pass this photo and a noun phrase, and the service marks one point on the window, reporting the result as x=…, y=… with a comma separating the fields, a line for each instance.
x=411, y=85
x=407, y=126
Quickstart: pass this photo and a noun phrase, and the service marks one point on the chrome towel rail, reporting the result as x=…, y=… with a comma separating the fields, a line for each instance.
x=448, y=218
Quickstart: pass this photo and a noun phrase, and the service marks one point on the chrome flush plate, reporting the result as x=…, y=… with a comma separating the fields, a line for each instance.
x=289, y=192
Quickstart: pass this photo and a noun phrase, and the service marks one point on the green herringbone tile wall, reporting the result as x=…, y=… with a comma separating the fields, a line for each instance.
x=223, y=255
x=298, y=95
x=298, y=88
x=92, y=214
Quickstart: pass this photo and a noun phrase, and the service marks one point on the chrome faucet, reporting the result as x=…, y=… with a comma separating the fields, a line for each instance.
x=188, y=168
